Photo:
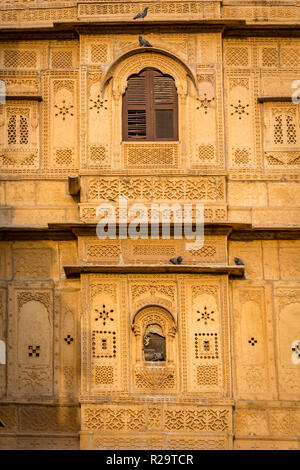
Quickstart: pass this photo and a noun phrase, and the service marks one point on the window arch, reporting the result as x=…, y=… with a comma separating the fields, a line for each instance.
x=150, y=107
x=154, y=328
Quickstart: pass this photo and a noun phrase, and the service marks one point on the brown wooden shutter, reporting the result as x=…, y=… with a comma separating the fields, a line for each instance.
x=165, y=107
x=134, y=109
x=150, y=107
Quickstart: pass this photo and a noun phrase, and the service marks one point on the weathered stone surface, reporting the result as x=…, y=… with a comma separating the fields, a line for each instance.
x=146, y=359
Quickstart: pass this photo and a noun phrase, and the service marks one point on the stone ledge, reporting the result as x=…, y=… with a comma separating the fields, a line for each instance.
x=76, y=270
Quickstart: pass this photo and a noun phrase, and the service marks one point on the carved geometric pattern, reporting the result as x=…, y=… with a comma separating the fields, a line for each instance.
x=68, y=339
x=103, y=251
x=207, y=375
x=252, y=341
x=14, y=58
x=98, y=103
x=196, y=420
x=238, y=81
x=175, y=418
x=33, y=351
x=206, y=152
x=150, y=155
x=64, y=156
x=206, y=346
x=104, y=375
x=205, y=315
x=205, y=103
x=202, y=188
x=206, y=252
x=17, y=127
x=290, y=57
x=114, y=419
x=104, y=344
x=98, y=154
x=284, y=125
x=18, y=159
x=269, y=57
x=241, y=156
x=283, y=158
x=62, y=59
x=278, y=133
x=104, y=314
x=236, y=56
x=211, y=213
x=239, y=109
x=202, y=9
x=25, y=296
x=64, y=109
x=99, y=53
x=164, y=250
x=155, y=377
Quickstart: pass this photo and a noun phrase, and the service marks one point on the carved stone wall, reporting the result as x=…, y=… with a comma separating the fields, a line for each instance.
x=150, y=251
x=41, y=427
x=232, y=346
x=155, y=427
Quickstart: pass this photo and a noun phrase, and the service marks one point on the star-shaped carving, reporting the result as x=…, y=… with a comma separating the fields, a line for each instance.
x=98, y=103
x=205, y=315
x=64, y=110
x=239, y=109
x=205, y=102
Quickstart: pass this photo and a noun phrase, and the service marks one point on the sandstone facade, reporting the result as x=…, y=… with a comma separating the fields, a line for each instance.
x=74, y=309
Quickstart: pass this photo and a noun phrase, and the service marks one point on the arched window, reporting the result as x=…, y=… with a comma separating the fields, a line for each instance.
x=150, y=107
x=154, y=344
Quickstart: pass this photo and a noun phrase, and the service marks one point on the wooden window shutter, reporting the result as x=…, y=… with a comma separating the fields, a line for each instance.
x=135, y=109
x=150, y=107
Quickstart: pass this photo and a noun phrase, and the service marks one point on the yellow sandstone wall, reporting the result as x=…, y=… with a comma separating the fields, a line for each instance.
x=238, y=152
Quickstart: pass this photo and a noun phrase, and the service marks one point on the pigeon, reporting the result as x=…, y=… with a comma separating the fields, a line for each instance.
x=142, y=14
x=176, y=260
x=144, y=42
x=238, y=261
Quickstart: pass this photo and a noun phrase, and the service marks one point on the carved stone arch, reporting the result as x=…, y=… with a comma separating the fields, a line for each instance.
x=134, y=61
x=145, y=308
x=150, y=315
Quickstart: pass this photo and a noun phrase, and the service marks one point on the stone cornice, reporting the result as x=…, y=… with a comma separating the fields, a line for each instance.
x=72, y=271
x=231, y=16
x=71, y=231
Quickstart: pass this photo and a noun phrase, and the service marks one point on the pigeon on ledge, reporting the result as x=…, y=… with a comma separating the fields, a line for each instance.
x=238, y=261
x=144, y=42
x=142, y=14
x=176, y=260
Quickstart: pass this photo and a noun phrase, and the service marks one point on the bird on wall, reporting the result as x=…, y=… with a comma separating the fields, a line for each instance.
x=144, y=42
x=238, y=261
x=177, y=260
x=142, y=14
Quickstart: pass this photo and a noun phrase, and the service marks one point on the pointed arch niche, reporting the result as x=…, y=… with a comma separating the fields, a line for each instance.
x=113, y=86
x=154, y=363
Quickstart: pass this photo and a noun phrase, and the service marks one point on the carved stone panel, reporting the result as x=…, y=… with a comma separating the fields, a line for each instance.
x=205, y=336
x=151, y=251
x=160, y=426
x=30, y=333
x=253, y=341
x=287, y=303
x=104, y=335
